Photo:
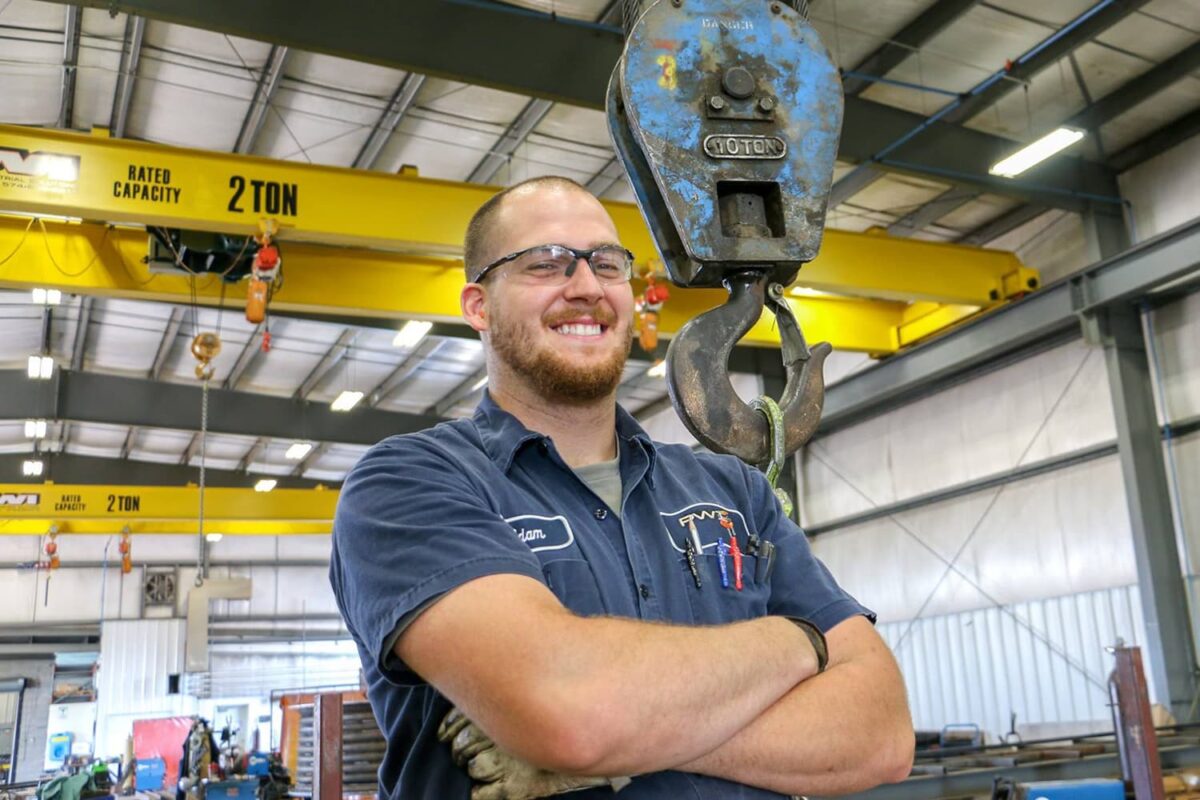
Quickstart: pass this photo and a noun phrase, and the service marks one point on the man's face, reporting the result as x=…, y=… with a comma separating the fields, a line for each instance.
x=569, y=342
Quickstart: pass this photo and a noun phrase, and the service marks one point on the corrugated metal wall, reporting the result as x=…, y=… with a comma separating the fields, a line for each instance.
x=1043, y=660
x=35, y=715
x=1044, y=575
x=136, y=660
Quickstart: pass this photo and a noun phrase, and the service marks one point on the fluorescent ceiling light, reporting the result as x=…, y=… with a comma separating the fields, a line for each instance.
x=40, y=367
x=298, y=451
x=659, y=370
x=31, y=468
x=1037, y=152
x=47, y=297
x=213, y=537
x=35, y=428
x=412, y=333
x=346, y=401
x=479, y=384
x=265, y=485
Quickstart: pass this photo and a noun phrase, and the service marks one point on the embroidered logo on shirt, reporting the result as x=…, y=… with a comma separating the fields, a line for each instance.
x=705, y=518
x=542, y=533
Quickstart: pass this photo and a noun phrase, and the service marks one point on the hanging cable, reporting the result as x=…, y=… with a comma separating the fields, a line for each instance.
x=202, y=543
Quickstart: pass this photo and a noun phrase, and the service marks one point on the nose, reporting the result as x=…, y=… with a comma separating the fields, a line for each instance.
x=583, y=283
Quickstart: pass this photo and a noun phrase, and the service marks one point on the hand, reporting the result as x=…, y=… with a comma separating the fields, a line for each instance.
x=503, y=776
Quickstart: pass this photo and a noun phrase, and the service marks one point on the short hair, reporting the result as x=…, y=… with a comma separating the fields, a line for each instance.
x=475, y=241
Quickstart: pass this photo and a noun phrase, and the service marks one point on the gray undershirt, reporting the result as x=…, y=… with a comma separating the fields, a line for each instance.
x=604, y=479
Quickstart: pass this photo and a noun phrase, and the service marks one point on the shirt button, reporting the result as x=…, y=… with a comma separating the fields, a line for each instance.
x=543, y=448
x=645, y=590
x=600, y=513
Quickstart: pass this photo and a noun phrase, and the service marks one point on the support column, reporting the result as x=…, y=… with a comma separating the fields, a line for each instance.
x=1168, y=645
x=327, y=741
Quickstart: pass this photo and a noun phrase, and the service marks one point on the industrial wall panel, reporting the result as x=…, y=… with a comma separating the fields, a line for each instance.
x=1162, y=191
x=1053, y=403
x=1059, y=533
x=35, y=711
x=1183, y=464
x=1177, y=358
x=136, y=659
x=1043, y=660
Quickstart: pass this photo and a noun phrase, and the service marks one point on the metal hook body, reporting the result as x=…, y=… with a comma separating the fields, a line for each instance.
x=698, y=374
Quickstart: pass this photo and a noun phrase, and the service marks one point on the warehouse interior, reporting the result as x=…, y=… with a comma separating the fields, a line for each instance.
x=1007, y=463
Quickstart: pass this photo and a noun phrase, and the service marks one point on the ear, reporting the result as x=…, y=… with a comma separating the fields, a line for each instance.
x=473, y=302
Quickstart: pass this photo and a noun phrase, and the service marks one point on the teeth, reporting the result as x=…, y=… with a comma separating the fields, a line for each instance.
x=580, y=329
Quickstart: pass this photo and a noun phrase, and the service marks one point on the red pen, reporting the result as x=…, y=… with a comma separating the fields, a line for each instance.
x=736, y=551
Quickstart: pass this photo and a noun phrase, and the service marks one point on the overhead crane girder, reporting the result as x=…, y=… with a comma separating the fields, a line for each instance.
x=31, y=509
x=398, y=238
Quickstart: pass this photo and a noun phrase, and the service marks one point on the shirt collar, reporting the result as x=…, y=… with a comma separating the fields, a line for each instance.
x=503, y=435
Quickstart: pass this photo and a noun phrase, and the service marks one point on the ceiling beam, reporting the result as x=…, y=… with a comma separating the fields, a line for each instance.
x=1160, y=141
x=1008, y=221
x=402, y=100
x=465, y=388
x=527, y=121
x=264, y=93
x=250, y=351
x=71, y=469
x=1133, y=92
x=908, y=40
x=70, y=66
x=512, y=138
x=119, y=400
x=131, y=57
x=404, y=371
x=189, y=452
x=331, y=359
x=606, y=177
x=853, y=182
x=1079, y=31
x=488, y=44
x=82, y=326
x=931, y=212
x=130, y=440
x=166, y=344
x=252, y=453
x=319, y=449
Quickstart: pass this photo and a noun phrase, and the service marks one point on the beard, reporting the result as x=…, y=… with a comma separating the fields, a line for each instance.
x=547, y=371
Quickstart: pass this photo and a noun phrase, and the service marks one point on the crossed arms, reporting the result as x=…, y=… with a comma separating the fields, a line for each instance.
x=606, y=696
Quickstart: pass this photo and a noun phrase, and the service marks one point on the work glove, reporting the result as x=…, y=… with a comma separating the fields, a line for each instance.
x=503, y=776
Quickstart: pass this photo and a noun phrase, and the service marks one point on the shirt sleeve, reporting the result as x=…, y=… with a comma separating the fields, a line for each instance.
x=409, y=528
x=801, y=586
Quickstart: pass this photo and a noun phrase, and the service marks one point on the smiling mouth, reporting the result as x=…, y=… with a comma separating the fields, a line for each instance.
x=580, y=329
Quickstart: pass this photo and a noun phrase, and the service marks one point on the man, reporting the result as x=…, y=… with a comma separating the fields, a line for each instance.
x=555, y=575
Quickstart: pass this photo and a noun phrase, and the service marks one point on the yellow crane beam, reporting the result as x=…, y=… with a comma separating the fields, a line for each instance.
x=94, y=177
x=31, y=509
x=375, y=285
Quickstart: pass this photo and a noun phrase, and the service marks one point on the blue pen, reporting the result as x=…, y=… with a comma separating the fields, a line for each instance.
x=721, y=548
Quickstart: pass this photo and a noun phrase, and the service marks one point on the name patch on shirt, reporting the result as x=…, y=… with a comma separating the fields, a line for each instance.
x=542, y=533
x=705, y=519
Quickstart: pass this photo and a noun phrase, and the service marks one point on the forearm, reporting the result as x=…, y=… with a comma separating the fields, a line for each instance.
x=645, y=686
x=842, y=731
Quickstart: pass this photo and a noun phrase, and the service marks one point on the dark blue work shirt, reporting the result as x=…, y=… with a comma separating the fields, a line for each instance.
x=427, y=512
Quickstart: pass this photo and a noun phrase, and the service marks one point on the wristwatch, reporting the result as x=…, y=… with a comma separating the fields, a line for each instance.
x=818, y=641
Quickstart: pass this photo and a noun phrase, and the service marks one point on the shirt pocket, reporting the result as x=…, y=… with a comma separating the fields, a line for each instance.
x=714, y=604
x=574, y=584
